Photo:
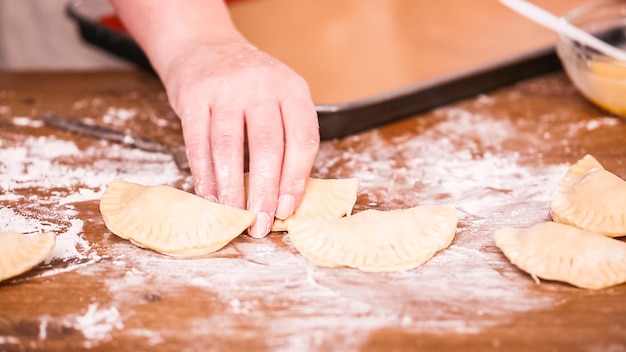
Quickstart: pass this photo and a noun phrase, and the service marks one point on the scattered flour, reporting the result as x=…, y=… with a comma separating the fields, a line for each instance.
x=10, y=221
x=590, y=125
x=9, y=340
x=63, y=175
x=27, y=121
x=97, y=324
x=264, y=285
x=43, y=177
x=47, y=163
x=70, y=245
x=118, y=116
x=41, y=180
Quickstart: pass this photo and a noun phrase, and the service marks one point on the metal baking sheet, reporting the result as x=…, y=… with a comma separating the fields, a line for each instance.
x=347, y=118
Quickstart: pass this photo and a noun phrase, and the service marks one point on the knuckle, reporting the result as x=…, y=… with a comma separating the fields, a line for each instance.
x=306, y=137
x=227, y=140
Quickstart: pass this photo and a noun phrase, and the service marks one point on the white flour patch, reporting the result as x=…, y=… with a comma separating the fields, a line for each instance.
x=267, y=289
x=44, y=177
x=62, y=175
x=48, y=163
x=476, y=178
x=118, y=116
x=82, y=195
x=27, y=121
x=296, y=303
x=593, y=124
x=10, y=221
x=70, y=245
x=97, y=324
x=9, y=340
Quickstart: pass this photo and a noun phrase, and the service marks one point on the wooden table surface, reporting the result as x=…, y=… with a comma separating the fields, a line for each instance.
x=496, y=158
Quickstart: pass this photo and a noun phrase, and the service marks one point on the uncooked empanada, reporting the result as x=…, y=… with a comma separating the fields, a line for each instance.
x=562, y=252
x=591, y=198
x=170, y=221
x=375, y=240
x=21, y=253
x=323, y=199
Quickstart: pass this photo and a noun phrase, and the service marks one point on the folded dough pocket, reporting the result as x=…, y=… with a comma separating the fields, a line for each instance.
x=323, y=199
x=22, y=253
x=591, y=198
x=177, y=223
x=374, y=240
x=169, y=220
x=555, y=251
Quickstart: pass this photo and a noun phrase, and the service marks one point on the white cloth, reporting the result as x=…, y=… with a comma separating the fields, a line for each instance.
x=37, y=34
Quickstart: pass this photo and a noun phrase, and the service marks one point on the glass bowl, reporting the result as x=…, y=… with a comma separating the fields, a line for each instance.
x=601, y=79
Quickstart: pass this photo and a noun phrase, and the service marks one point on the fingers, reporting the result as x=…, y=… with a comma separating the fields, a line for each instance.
x=283, y=142
x=302, y=141
x=195, y=125
x=227, y=144
x=266, y=146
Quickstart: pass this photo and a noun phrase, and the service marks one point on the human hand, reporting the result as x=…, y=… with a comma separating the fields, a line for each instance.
x=228, y=93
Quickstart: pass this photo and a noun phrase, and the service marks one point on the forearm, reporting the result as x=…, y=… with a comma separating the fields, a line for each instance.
x=168, y=28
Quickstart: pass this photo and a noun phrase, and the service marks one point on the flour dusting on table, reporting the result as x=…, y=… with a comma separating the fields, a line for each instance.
x=41, y=178
x=265, y=283
x=96, y=324
x=262, y=285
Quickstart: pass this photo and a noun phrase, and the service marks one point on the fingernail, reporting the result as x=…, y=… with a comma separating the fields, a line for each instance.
x=285, y=207
x=211, y=199
x=261, y=226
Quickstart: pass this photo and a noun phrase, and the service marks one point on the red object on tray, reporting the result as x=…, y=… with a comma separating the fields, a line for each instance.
x=113, y=22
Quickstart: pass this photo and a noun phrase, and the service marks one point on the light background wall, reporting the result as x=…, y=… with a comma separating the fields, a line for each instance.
x=37, y=34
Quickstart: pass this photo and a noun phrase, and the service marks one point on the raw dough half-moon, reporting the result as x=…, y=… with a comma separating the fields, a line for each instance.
x=591, y=198
x=170, y=221
x=565, y=253
x=323, y=199
x=374, y=240
x=21, y=253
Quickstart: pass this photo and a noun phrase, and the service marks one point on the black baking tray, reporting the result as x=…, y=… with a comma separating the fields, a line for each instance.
x=344, y=119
